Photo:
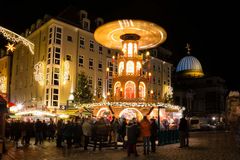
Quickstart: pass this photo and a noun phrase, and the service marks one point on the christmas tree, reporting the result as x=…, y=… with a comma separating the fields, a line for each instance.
x=82, y=93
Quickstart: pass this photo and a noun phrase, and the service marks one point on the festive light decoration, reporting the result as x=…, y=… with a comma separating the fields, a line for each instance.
x=66, y=72
x=39, y=73
x=3, y=84
x=10, y=47
x=14, y=37
x=35, y=113
x=133, y=104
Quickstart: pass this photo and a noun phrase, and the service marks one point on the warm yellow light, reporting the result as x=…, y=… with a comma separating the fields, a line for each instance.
x=66, y=72
x=14, y=37
x=151, y=91
x=39, y=73
x=10, y=47
x=108, y=93
x=107, y=69
x=147, y=53
x=3, y=84
x=113, y=57
x=109, y=34
x=121, y=89
x=149, y=74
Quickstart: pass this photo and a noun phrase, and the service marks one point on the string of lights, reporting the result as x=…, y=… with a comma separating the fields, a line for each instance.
x=14, y=37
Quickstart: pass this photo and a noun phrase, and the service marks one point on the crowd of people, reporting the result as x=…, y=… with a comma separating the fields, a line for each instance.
x=85, y=132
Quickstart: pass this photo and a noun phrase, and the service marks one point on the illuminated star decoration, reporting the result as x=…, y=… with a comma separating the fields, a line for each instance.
x=10, y=47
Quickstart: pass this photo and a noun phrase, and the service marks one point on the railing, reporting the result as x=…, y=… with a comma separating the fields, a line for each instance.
x=168, y=137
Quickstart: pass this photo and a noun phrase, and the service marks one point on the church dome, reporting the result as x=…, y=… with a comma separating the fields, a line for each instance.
x=190, y=66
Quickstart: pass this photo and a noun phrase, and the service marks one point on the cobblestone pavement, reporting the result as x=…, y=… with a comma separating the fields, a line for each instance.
x=203, y=146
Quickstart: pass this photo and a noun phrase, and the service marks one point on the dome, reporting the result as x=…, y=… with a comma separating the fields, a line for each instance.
x=190, y=66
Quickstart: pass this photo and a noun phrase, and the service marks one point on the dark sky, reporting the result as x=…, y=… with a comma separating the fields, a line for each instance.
x=210, y=27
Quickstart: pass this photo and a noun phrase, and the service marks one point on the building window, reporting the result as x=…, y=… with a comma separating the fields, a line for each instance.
x=48, y=77
x=50, y=36
x=90, y=82
x=100, y=49
x=49, y=55
x=110, y=66
x=90, y=63
x=85, y=25
x=130, y=68
x=80, y=61
x=68, y=57
x=55, y=94
x=82, y=42
x=130, y=89
x=154, y=68
x=142, y=90
x=159, y=69
x=100, y=66
x=69, y=38
x=159, y=81
x=55, y=76
x=58, y=35
x=154, y=80
x=100, y=82
x=56, y=59
x=91, y=45
x=110, y=84
x=109, y=51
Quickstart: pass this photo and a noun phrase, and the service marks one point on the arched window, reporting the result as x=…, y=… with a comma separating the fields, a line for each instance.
x=130, y=50
x=139, y=66
x=130, y=90
x=142, y=90
x=117, y=89
x=130, y=67
x=120, y=68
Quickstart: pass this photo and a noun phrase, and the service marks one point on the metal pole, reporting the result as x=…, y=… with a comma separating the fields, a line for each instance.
x=159, y=126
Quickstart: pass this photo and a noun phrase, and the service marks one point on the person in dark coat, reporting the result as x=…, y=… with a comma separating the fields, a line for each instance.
x=183, y=129
x=59, y=138
x=17, y=132
x=153, y=136
x=122, y=131
x=132, y=135
x=38, y=132
x=100, y=133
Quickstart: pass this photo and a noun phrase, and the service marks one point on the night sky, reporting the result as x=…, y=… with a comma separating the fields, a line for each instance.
x=210, y=27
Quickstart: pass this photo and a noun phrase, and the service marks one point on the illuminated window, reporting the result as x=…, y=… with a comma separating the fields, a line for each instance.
x=117, y=89
x=130, y=89
x=130, y=49
x=130, y=67
x=142, y=90
x=121, y=68
x=139, y=66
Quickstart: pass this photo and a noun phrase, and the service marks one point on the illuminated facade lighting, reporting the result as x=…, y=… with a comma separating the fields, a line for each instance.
x=3, y=84
x=66, y=72
x=39, y=73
